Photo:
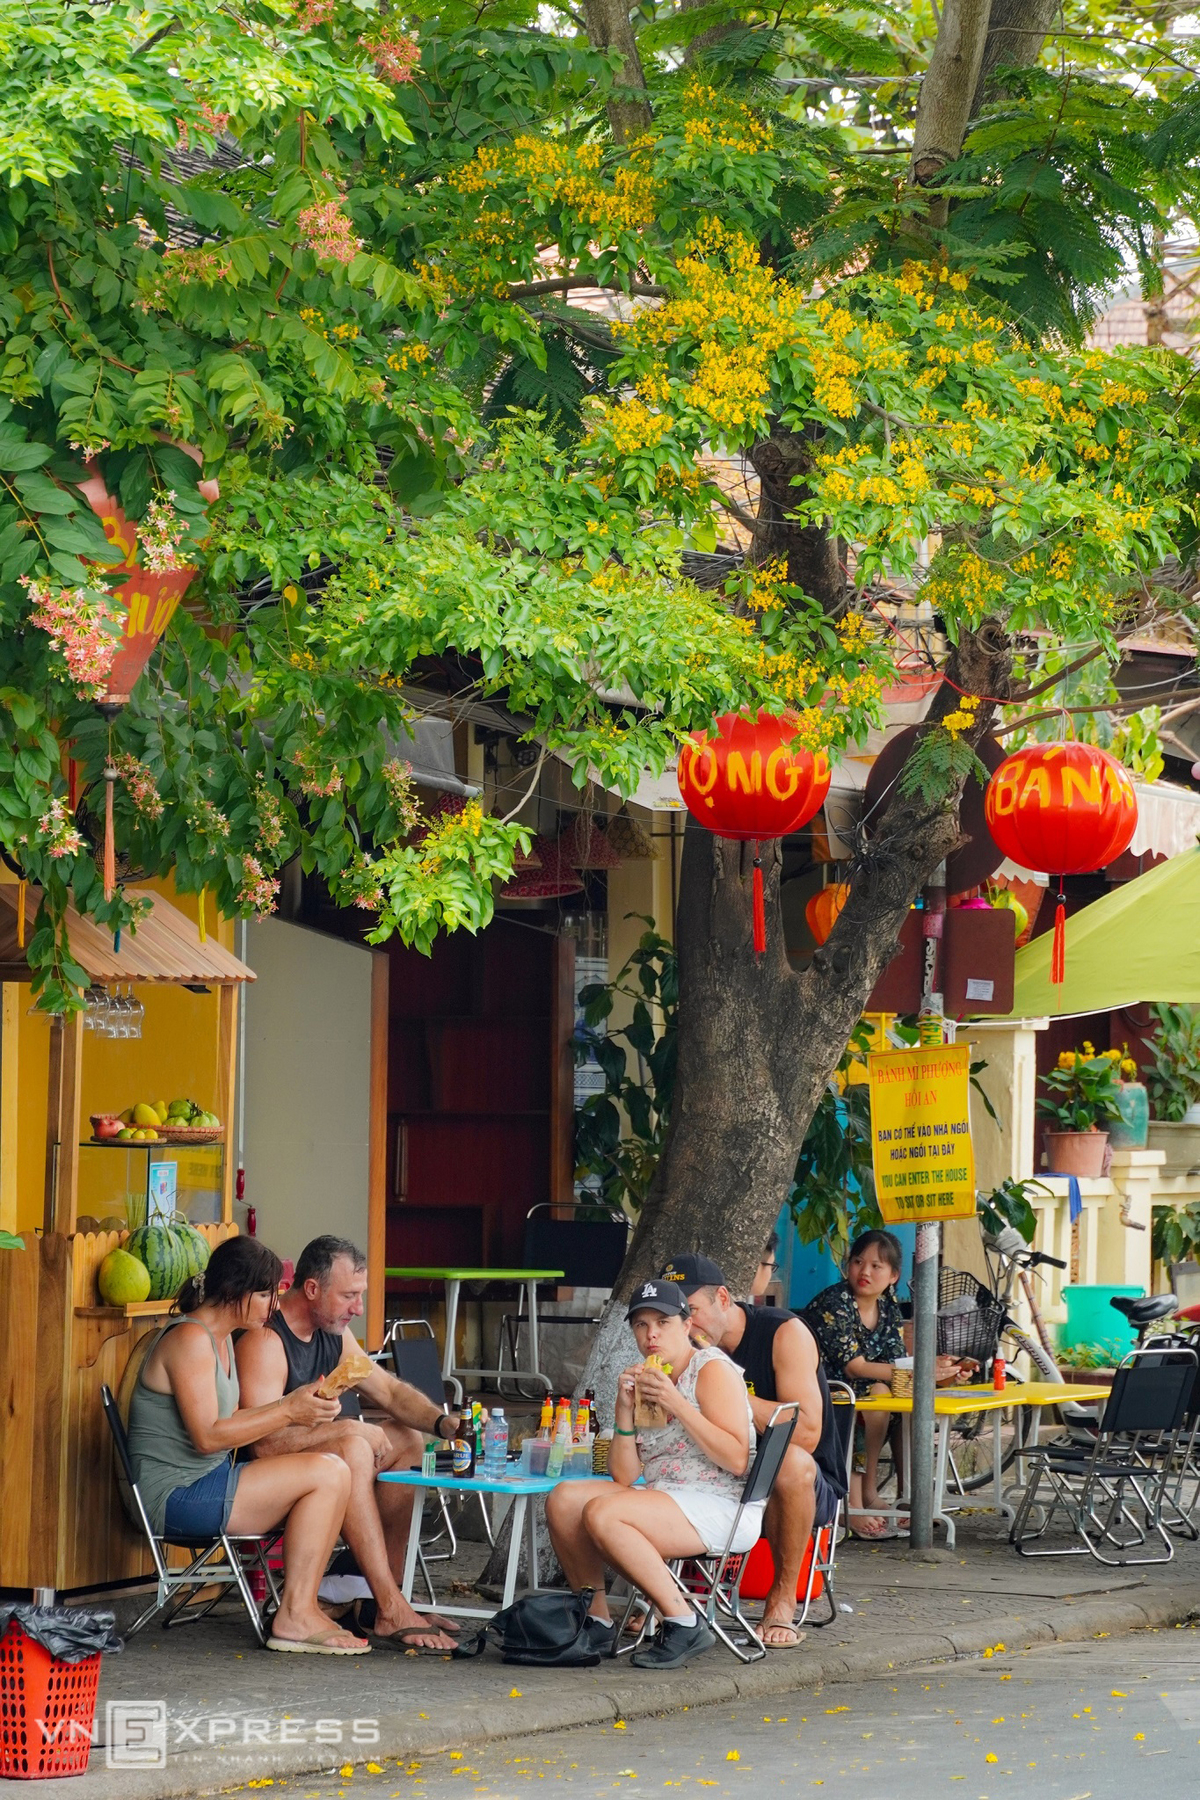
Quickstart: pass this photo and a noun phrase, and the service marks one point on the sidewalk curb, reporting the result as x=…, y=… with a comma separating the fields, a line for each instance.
x=818, y=1663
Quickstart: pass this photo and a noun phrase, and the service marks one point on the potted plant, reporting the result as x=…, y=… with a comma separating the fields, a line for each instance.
x=1173, y=1081
x=1084, y=1093
x=1175, y=1235
x=1089, y=1364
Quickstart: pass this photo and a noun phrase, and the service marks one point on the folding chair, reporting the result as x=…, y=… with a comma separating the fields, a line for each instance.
x=825, y=1537
x=711, y=1582
x=177, y=1586
x=1112, y=1493
x=589, y=1248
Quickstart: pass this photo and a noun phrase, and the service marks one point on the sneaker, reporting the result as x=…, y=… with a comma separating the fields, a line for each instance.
x=601, y=1638
x=674, y=1645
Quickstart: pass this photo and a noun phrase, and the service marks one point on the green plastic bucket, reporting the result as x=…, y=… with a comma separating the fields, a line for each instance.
x=1091, y=1320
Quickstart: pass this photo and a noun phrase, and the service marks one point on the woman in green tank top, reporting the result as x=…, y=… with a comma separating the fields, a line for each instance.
x=185, y=1424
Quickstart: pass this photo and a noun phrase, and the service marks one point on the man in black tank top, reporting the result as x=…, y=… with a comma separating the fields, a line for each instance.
x=778, y=1355
x=306, y=1339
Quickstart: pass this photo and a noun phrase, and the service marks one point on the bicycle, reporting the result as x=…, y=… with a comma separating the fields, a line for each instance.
x=975, y=1321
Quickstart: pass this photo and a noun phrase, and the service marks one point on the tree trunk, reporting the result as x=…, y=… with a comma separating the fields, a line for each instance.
x=609, y=28
x=1015, y=35
x=759, y=1042
x=781, y=462
x=947, y=93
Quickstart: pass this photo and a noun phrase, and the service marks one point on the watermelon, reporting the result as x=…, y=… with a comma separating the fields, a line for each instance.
x=195, y=1245
x=169, y=1255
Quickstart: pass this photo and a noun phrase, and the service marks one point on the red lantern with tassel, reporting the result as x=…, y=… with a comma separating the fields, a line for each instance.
x=1065, y=809
x=744, y=781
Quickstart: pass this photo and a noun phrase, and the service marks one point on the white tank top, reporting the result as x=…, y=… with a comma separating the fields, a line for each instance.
x=671, y=1459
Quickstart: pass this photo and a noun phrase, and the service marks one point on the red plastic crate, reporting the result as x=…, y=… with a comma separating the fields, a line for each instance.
x=47, y=1709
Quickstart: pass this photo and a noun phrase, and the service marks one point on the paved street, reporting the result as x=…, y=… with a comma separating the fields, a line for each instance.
x=1092, y=1721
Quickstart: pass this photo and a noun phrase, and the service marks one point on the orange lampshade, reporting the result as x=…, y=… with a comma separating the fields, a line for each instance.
x=823, y=909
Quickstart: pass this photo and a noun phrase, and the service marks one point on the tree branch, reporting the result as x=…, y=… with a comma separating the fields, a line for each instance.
x=561, y=284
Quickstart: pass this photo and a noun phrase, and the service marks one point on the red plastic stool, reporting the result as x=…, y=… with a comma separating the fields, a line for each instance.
x=47, y=1709
x=759, y=1573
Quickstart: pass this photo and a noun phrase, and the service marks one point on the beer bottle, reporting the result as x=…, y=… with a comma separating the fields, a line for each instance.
x=464, y=1443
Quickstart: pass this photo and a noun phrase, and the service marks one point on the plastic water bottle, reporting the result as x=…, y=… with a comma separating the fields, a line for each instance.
x=495, y=1445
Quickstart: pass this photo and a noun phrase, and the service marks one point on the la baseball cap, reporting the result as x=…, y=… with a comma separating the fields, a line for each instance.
x=659, y=1297
x=691, y=1271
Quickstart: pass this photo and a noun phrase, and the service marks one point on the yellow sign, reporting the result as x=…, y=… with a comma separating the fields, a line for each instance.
x=921, y=1133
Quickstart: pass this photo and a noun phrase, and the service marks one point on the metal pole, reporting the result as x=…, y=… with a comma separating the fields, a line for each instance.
x=925, y=1262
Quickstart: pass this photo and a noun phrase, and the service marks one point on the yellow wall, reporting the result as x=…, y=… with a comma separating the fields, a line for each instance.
x=176, y=1055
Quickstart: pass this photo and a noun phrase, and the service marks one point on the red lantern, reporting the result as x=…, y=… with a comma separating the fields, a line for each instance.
x=1063, y=808
x=823, y=909
x=747, y=783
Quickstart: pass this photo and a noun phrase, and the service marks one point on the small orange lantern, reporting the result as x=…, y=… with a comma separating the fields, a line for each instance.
x=1065, y=809
x=823, y=909
x=747, y=783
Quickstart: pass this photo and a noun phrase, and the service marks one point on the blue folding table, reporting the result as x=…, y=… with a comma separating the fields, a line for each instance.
x=518, y=1488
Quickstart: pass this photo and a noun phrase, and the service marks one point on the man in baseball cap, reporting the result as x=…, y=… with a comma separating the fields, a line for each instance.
x=778, y=1356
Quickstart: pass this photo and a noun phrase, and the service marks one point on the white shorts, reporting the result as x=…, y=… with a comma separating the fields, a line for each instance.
x=712, y=1515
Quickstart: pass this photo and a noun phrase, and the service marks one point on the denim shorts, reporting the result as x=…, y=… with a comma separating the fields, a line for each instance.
x=202, y=1510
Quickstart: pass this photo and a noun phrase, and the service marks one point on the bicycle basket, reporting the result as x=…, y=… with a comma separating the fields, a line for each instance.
x=967, y=1330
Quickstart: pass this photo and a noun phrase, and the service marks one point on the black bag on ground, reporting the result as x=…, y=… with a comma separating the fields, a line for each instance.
x=544, y=1631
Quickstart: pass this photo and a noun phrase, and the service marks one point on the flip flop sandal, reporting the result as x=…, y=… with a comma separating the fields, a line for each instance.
x=318, y=1646
x=798, y=1636
x=402, y=1641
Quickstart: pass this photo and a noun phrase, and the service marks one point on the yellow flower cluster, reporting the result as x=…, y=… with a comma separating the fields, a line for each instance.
x=409, y=356
x=962, y=579
x=918, y=279
x=854, y=633
x=730, y=385
x=767, y=580
x=713, y=120
x=631, y=426
x=551, y=170
x=963, y=717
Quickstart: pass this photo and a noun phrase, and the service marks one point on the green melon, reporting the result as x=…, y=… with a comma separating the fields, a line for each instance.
x=123, y=1280
x=196, y=1247
x=166, y=1253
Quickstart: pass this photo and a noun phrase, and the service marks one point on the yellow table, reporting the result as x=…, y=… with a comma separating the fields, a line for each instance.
x=958, y=1402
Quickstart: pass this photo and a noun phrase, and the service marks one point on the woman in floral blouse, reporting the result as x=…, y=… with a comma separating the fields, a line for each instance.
x=856, y=1323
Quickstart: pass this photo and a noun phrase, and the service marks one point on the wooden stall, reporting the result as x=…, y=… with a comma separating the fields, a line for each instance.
x=61, y=1524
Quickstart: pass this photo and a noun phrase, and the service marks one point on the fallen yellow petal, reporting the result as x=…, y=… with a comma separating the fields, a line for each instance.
x=1118, y=1695
x=515, y=1694
x=991, y=1757
x=733, y=1756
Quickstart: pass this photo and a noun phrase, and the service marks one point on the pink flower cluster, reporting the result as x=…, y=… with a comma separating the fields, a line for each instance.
x=311, y=13
x=394, y=55
x=76, y=620
x=270, y=817
x=160, y=533
x=397, y=779
x=56, y=827
x=259, y=891
x=207, y=820
x=329, y=232
x=311, y=781
x=140, y=785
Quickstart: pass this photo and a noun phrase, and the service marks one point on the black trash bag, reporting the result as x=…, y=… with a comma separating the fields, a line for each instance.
x=65, y=1631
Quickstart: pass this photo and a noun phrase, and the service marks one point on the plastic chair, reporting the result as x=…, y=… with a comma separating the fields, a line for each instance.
x=1112, y=1492
x=415, y=1360
x=711, y=1582
x=176, y=1587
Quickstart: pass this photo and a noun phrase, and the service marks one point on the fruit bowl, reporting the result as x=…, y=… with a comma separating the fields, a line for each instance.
x=191, y=1134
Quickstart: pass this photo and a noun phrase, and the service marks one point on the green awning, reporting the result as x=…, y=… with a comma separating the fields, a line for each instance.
x=1141, y=942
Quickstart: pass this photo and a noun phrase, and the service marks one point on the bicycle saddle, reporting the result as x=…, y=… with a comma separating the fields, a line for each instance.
x=1145, y=1308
